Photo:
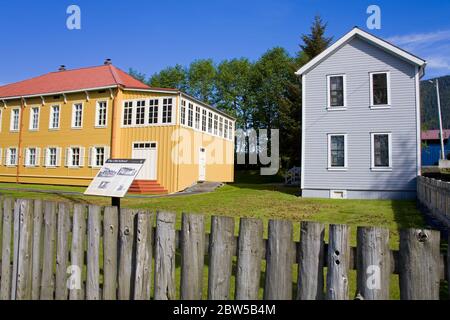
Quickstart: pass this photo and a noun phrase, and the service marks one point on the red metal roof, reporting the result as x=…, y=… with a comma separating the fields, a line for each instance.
x=434, y=134
x=72, y=80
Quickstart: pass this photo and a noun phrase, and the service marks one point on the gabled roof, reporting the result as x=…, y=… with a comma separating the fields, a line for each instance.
x=105, y=76
x=357, y=32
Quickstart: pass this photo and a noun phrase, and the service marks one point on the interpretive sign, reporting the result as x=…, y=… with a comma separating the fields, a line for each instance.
x=115, y=178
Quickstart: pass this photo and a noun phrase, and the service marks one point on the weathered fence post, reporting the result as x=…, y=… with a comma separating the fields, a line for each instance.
x=373, y=259
x=280, y=258
x=311, y=261
x=5, y=284
x=419, y=264
x=142, y=282
x=48, y=257
x=62, y=251
x=249, y=257
x=76, y=290
x=192, y=245
x=24, y=212
x=93, y=253
x=221, y=247
x=37, y=250
x=165, y=256
x=126, y=253
x=338, y=262
x=110, y=252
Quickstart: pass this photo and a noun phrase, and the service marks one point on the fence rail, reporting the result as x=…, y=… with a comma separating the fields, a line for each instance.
x=73, y=251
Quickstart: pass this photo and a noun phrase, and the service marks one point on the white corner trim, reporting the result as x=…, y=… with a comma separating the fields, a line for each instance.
x=418, y=124
x=302, y=157
x=368, y=37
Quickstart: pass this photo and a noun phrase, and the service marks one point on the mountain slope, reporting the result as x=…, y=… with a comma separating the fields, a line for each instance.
x=430, y=118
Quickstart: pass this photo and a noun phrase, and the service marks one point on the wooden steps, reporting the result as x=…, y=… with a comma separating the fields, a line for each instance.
x=147, y=187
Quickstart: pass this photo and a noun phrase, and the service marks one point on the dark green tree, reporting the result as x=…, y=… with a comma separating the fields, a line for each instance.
x=201, y=79
x=137, y=75
x=315, y=42
x=171, y=77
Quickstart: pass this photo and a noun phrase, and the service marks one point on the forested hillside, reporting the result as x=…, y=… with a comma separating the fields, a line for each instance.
x=430, y=118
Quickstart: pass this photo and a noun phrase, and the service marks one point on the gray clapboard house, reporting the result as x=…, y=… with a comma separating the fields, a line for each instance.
x=361, y=120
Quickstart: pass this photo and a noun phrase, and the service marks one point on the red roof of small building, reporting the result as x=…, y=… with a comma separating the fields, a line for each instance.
x=72, y=80
x=434, y=134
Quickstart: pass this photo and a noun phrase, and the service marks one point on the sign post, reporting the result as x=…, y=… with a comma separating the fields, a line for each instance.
x=114, y=179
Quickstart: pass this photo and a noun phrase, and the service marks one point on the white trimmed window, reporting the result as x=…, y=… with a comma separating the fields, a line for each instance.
x=197, y=118
x=220, y=126
x=54, y=117
x=98, y=156
x=75, y=157
x=12, y=156
x=183, y=112
x=337, y=151
x=230, y=131
x=52, y=157
x=153, y=111
x=225, y=129
x=381, y=151
x=216, y=119
x=77, y=115
x=140, y=112
x=167, y=110
x=380, y=89
x=190, y=114
x=34, y=118
x=128, y=113
x=204, y=120
x=15, y=118
x=337, y=95
x=32, y=157
x=210, y=122
x=101, y=113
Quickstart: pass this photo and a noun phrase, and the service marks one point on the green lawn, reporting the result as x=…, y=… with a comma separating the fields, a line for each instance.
x=265, y=201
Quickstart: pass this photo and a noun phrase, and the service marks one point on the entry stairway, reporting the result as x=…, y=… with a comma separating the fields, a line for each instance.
x=147, y=187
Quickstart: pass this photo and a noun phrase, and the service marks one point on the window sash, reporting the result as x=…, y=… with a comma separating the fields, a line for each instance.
x=381, y=151
x=153, y=111
x=167, y=110
x=128, y=113
x=101, y=114
x=336, y=91
x=337, y=151
x=54, y=117
x=34, y=119
x=380, y=89
x=15, y=119
x=190, y=115
x=77, y=115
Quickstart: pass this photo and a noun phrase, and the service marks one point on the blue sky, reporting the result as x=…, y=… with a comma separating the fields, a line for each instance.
x=150, y=35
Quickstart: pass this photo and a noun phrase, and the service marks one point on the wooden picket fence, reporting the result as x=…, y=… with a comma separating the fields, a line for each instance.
x=434, y=195
x=128, y=255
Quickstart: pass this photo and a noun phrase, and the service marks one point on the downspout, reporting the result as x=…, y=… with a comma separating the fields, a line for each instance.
x=19, y=146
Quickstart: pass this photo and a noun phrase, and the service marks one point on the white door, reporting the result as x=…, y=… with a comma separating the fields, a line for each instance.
x=149, y=152
x=202, y=165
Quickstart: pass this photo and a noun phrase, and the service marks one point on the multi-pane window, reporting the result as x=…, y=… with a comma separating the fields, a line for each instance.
x=75, y=157
x=99, y=156
x=210, y=122
x=51, y=157
x=380, y=88
x=381, y=150
x=101, y=112
x=167, y=110
x=15, y=115
x=54, y=117
x=197, y=118
x=336, y=94
x=34, y=118
x=12, y=156
x=221, y=126
x=204, y=120
x=216, y=118
x=128, y=113
x=153, y=111
x=140, y=112
x=31, y=157
x=337, y=151
x=230, y=132
x=77, y=115
x=225, y=129
x=190, y=114
x=183, y=112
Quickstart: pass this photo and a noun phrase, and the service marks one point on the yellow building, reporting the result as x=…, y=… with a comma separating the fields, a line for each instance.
x=59, y=129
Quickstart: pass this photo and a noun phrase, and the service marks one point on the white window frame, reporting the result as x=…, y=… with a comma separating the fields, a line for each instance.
x=388, y=79
x=57, y=157
x=74, y=115
x=183, y=108
x=330, y=167
x=344, y=80
x=28, y=157
x=8, y=157
x=31, y=128
x=69, y=157
x=12, y=120
x=130, y=109
x=52, y=112
x=372, y=151
x=97, y=114
x=92, y=156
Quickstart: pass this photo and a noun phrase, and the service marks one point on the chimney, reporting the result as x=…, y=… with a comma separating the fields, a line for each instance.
x=62, y=68
x=108, y=62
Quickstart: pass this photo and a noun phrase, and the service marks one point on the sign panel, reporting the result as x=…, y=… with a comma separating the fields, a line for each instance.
x=115, y=178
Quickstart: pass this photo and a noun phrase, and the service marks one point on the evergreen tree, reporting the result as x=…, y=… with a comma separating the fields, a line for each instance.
x=315, y=42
